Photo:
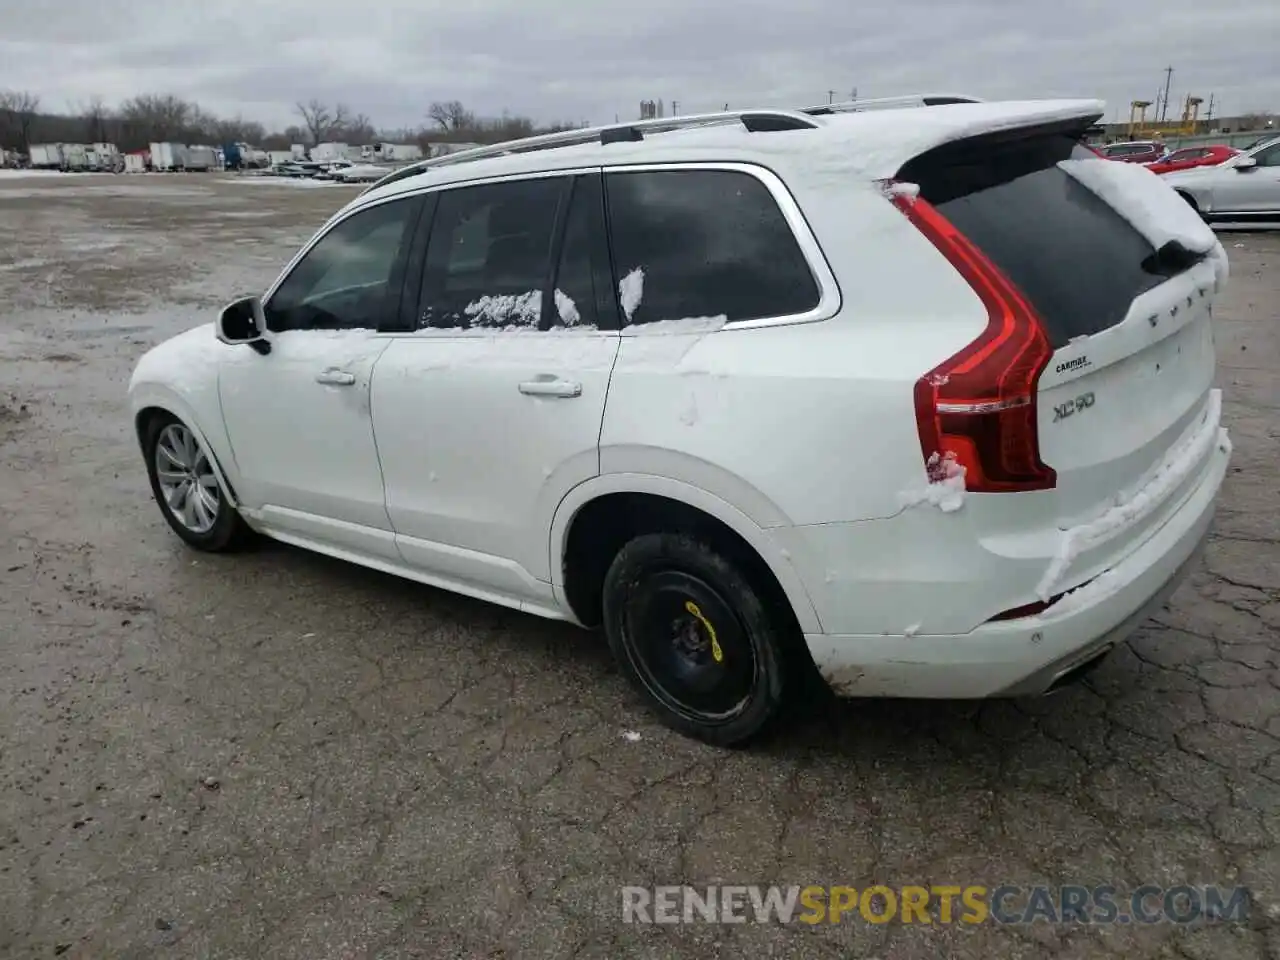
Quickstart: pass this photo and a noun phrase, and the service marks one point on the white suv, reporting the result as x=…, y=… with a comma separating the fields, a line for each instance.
x=919, y=397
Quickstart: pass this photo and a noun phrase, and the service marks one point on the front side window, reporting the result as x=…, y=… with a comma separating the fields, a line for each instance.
x=704, y=243
x=346, y=280
x=488, y=257
x=1269, y=157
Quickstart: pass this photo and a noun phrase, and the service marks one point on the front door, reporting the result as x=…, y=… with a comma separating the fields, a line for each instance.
x=298, y=416
x=490, y=411
x=1252, y=191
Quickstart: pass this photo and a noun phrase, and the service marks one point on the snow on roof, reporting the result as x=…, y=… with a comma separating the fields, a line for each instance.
x=871, y=145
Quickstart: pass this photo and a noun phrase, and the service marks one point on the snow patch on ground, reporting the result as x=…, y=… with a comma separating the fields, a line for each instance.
x=29, y=174
x=1146, y=201
x=518, y=310
x=631, y=736
x=291, y=182
x=631, y=291
x=684, y=325
x=1133, y=506
x=945, y=489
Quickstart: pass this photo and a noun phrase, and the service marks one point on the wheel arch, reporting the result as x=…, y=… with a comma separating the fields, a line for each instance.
x=150, y=401
x=596, y=517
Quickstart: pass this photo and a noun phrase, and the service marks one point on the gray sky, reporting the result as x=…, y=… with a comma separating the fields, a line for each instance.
x=578, y=60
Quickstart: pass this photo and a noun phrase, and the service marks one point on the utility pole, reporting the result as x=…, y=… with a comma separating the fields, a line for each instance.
x=675, y=108
x=1209, y=116
x=831, y=96
x=1164, y=103
x=854, y=94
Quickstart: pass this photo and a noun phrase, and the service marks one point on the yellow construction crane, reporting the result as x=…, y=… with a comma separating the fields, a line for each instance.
x=1138, y=118
x=1139, y=128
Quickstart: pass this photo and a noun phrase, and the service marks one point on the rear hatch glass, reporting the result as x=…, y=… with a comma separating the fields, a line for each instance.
x=1079, y=262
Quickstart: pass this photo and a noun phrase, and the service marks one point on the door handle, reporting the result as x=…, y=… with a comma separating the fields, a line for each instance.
x=551, y=387
x=336, y=378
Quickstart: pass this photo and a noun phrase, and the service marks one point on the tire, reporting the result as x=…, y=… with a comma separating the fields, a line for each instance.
x=210, y=523
x=696, y=640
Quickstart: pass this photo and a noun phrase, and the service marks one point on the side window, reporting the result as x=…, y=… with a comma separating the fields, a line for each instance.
x=488, y=259
x=704, y=243
x=1269, y=157
x=575, y=293
x=348, y=279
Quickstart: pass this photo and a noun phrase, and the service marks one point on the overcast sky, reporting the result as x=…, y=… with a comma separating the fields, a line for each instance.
x=580, y=60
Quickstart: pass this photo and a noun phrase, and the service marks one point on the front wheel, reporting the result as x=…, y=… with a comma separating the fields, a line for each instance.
x=186, y=487
x=693, y=636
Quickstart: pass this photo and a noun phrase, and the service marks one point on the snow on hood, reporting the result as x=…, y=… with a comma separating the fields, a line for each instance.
x=1145, y=200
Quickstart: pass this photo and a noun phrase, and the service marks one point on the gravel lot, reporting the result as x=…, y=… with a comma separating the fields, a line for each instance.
x=278, y=755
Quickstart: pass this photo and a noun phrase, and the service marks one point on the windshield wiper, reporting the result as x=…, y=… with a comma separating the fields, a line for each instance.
x=1172, y=259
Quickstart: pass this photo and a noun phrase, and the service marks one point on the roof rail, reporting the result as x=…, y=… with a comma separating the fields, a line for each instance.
x=757, y=121
x=890, y=103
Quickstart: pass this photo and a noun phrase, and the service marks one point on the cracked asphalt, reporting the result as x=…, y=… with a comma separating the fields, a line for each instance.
x=279, y=755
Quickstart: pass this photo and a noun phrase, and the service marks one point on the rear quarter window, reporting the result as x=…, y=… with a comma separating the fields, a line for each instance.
x=706, y=243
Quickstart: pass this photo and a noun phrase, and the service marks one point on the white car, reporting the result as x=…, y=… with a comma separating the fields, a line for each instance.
x=1243, y=189
x=920, y=398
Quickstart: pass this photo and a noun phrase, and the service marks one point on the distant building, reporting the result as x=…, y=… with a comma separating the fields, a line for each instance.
x=651, y=110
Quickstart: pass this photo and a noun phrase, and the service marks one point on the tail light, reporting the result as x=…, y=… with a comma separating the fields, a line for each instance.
x=977, y=409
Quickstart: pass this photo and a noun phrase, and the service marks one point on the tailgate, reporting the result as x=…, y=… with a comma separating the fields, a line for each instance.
x=1123, y=276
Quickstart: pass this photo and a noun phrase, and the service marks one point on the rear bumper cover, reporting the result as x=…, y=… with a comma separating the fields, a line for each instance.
x=1025, y=656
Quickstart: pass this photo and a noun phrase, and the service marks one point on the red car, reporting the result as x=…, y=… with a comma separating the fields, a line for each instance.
x=1189, y=157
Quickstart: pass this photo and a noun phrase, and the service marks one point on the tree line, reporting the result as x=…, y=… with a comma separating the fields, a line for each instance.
x=147, y=118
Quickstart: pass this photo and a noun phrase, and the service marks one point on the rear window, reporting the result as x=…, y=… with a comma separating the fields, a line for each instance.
x=1077, y=260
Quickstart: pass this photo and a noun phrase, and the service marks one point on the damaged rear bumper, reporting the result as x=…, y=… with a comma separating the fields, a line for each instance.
x=1028, y=656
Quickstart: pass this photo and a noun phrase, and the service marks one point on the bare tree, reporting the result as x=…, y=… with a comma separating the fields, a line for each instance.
x=158, y=116
x=323, y=123
x=95, y=114
x=360, y=129
x=451, y=115
x=316, y=117
x=22, y=106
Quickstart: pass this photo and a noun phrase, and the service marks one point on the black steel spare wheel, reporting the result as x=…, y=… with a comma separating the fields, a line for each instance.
x=688, y=646
x=694, y=637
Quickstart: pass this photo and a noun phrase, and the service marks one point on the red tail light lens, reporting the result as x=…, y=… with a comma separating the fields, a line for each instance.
x=978, y=408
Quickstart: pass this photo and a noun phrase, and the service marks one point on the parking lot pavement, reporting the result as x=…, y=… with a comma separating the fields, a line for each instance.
x=279, y=755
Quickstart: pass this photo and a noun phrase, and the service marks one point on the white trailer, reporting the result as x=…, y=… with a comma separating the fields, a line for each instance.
x=280, y=157
x=328, y=152
x=75, y=157
x=166, y=157
x=46, y=156
x=135, y=163
x=399, y=152
x=199, y=157
x=297, y=151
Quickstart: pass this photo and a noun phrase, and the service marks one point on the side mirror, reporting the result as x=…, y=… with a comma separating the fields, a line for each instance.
x=1246, y=163
x=243, y=322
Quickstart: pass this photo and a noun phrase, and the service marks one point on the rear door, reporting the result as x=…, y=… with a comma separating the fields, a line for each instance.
x=1125, y=402
x=488, y=411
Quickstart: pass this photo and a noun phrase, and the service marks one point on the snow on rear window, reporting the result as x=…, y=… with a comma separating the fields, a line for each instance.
x=1149, y=204
x=631, y=291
